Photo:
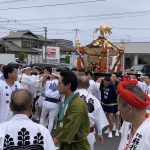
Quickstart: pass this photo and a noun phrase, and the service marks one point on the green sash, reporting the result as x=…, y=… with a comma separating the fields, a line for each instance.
x=64, y=105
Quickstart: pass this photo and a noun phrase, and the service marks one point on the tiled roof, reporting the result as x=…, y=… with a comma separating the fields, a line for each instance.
x=15, y=48
x=26, y=34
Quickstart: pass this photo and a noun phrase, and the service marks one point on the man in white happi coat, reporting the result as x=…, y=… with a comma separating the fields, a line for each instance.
x=145, y=86
x=48, y=72
x=50, y=104
x=132, y=103
x=29, y=82
x=21, y=132
x=94, y=87
x=96, y=114
x=1, y=72
x=7, y=86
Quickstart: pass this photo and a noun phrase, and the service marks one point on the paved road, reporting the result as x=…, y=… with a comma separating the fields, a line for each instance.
x=110, y=144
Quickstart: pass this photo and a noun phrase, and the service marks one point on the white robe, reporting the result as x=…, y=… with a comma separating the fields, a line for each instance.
x=97, y=117
x=140, y=140
x=21, y=132
x=42, y=96
x=34, y=89
x=29, y=81
x=51, y=89
x=50, y=109
x=94, y=89
x=144, y=87
x=5, y=94
x=1, y=76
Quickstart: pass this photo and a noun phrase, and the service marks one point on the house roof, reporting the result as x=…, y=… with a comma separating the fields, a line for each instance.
x=40, y=37
x=15, y=48
x=26, y=34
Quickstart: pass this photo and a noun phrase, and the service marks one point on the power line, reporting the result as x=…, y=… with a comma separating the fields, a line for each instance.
x=90, y=35
x=56, y=33
x=133, y=28
x=58, y=29
x=13, y=1
x=2, y=27
x=137, y=13
x=36, y=27
x=10, y=20
x=108, y=17
x=51, y=5
x=62, y=33
x=83, y=20
x=87, y=19
x=33, y=29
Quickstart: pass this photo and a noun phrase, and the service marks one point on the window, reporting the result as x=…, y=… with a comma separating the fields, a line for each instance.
x=25, y=44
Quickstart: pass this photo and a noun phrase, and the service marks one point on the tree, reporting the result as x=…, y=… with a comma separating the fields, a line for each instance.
x=21, y=56
x=2, y=49
x=67, y=59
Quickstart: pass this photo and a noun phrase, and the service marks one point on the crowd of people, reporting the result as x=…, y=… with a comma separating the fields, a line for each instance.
x=74, y=107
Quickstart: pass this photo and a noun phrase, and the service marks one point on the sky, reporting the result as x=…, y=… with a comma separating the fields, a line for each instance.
x=129, y=19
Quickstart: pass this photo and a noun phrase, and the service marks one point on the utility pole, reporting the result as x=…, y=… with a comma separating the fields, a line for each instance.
x=128, y=38
x=93, y=34
x=76, y=35
x=45, y=56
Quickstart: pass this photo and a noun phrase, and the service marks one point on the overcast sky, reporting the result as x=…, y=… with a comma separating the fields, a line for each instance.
x=130, y=19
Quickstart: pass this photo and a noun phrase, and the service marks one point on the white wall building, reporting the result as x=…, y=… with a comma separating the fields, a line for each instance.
x=136, y=53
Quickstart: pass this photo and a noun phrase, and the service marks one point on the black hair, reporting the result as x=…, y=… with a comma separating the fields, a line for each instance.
x=67, y=69
x=9, y=69
x=38, y=68
x=21, y=100
x=148, y=75
x=59, y=69
x=25, y=66
x=49, y=69
x=34, y=73
x=74, y=69
x=107, y=78
x=33, y=65
x=89, y=73
x=69, y=77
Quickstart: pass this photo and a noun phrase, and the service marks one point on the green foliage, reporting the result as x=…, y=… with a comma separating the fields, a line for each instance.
x=2, y=49
x=67, y=59
x=21, y=56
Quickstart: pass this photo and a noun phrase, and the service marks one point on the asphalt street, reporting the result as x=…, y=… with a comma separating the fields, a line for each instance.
x=109, y=144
